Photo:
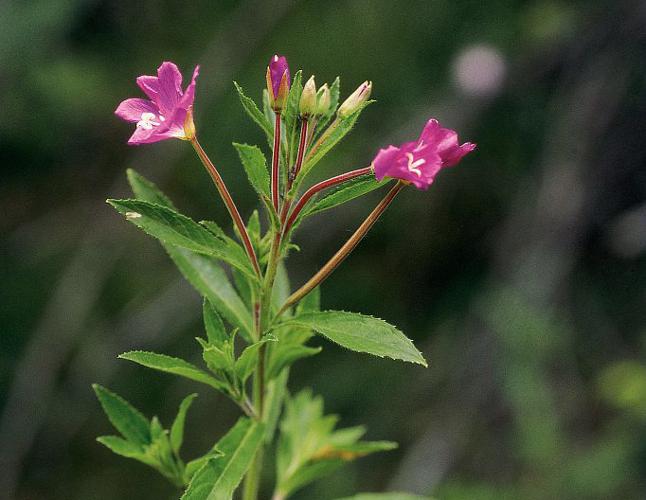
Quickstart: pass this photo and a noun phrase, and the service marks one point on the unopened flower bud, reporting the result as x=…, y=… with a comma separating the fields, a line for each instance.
x=278, y=82
x=307, y=104
x=323, y=100
x=356, y=100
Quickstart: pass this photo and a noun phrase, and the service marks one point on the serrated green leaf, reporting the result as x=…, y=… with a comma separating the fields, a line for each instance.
x=360, y=333
x=169, y=364
x=177, y=429
x=255, y=164
x=386, y=496
x=219, y=477
x=254, y=113
x=212, y=282
x=173, y=228
x=205, y=275
x=145, y=190
x=215, y=331
x=348, y=191
x=243, y=287
x=330, y=138
x=124, y=417
x=284, y=356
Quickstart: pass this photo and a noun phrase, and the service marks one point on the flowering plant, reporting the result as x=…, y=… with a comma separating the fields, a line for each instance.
x=255, y=329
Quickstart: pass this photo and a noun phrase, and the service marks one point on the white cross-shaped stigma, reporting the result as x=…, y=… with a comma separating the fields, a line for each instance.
x=414, y=164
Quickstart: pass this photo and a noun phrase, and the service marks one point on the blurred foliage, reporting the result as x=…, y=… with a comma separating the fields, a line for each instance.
x=520, y=274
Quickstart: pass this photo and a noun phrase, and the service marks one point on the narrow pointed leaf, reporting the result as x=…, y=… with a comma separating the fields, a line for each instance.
x=173, y=228
x=124, y=417
x=348, y=191
x=219, y=477
x=255, y=164
x=215, y=330
x=254, y=113
x=169, y=364
x=145, y=190
x=247, y=361
x=177, y=429
x=212, y=282
x=205, y=275
x=361, y=333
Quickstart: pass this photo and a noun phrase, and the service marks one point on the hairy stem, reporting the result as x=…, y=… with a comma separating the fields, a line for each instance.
x=344, y=251
x=228, y=202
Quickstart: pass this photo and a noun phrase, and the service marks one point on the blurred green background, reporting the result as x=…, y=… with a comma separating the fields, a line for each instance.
x=520, y=274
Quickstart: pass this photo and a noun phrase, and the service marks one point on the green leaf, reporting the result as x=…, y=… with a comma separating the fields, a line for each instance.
x=212, y=282
x=311, y=302
x=169, y=364
x=145, y=190
x=248, y=359
x=124, y=417
x=177, y=429
x=127, y=449
x=255, y=114
x=360, y=333
x=331, y=137
x=281, y=289
x=243, y=286
x=386, y=496
x=276, y=389
x=219, y=477
x=173, y=228
x=255, y=164
x=206, y=276
x=218, y=358
x=286, y=355
x=215, y=331
x=347, y=191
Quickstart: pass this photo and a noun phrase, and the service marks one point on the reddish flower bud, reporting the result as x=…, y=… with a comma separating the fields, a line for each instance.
x=278, y=82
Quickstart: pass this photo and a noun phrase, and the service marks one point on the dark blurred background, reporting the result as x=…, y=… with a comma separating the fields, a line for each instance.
x=520, y=274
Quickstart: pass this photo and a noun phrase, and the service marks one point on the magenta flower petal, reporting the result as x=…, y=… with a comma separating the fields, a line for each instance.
x=150, y=86
x=132, y=109
x=419, y=162
x=166, y=114
x=170, y=87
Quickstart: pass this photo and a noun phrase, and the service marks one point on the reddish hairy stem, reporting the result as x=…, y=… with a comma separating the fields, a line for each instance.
x=228, y=202
x=302, y=146
x=275, y=182
x=344, y=251
x=333, y=181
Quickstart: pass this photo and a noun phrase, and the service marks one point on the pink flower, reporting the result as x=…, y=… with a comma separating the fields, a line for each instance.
x=167, y=113
x=278, y=81
x=419, y=162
